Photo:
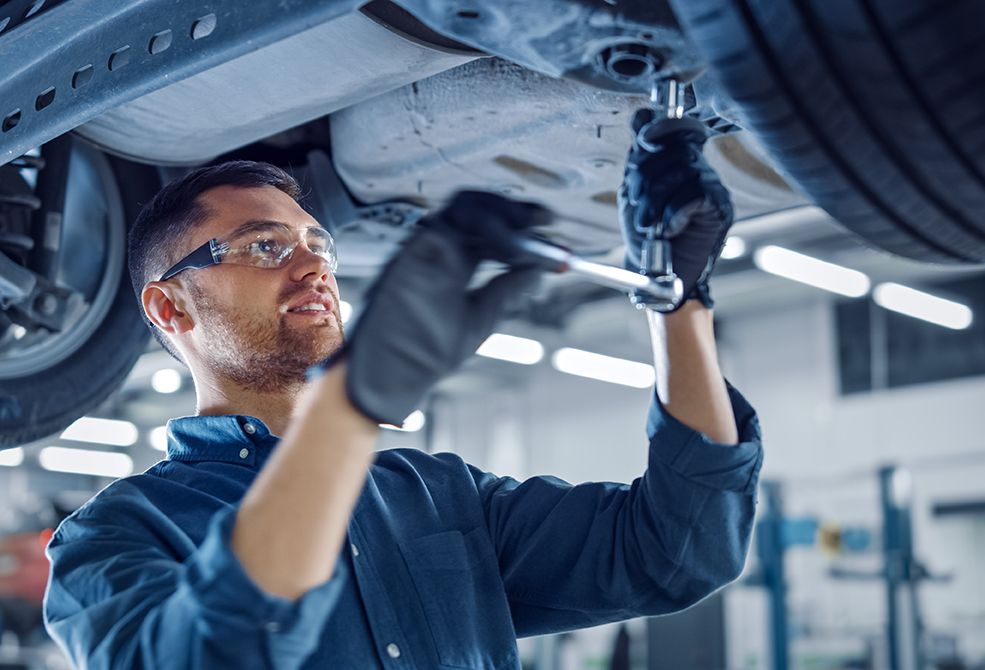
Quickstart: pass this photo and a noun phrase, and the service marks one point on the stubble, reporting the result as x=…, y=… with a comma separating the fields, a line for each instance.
x=265, y=355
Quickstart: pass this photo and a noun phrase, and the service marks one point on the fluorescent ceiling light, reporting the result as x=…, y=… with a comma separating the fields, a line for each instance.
x=920, y=305
x=735, y=247
x=511, y=348
x=413, y=423
x=12, y=457
x=85, y=462
x=158, y=438
x=167, y=380
x=102, y=431
x=603, y=368
x=345, y=310
x=811, y=271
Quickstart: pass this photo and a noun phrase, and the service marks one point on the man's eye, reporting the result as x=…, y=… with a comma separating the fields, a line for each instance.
x=266, y=247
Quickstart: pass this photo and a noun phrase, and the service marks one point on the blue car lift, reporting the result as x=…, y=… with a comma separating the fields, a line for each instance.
x=901, y=571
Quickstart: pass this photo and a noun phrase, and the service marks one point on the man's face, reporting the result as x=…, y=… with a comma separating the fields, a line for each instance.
x=244, y=331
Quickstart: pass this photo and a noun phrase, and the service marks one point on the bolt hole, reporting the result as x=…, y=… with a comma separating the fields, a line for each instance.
x=629, y=62
x=646, y=36
x=45, y=98
x=82, y=76
x=203, y=27
x=160, y=42
x=11, y=120
x=119, y=58
x=468, y=14
x=629, y=67
x=33, y=9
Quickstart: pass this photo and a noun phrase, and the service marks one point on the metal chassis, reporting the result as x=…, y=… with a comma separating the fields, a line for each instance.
x=65, y=64
x=80, y=58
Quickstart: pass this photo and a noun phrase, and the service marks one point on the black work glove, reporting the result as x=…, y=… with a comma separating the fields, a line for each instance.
x=673, y=193
x=421, y=320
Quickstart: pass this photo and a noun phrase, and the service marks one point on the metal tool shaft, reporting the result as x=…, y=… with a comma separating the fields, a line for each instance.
x=564, y=260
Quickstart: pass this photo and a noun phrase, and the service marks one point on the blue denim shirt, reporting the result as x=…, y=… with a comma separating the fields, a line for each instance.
x=444, y=567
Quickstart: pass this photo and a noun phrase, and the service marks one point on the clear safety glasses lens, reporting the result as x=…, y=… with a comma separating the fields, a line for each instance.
x=272, y=245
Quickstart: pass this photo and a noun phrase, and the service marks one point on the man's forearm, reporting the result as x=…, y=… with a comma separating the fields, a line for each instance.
x=689, y=381
x=291, y=524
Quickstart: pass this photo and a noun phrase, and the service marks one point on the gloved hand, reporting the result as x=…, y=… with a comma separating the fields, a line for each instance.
x=673, y=193
x=421, y=321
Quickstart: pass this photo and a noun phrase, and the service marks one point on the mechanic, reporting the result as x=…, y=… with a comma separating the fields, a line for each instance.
x=275, y=536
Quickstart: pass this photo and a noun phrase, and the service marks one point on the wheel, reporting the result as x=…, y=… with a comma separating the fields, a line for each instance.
x=875, y=108
x=49, y=379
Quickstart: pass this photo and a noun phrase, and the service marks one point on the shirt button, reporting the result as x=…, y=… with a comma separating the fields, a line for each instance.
x=273, y=626
x=355, y=550
x=249, y=428
x=243, y=453
x=393, y=650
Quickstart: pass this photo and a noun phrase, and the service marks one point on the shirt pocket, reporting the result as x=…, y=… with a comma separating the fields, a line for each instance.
x=457, y=579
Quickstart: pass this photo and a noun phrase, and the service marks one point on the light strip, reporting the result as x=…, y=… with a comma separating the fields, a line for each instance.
x=511, y=348
x=811, y=271
x=925, y=306
x=603, y=368
x=413, y=423
x=11, y=458
x=85, y=462
x=735, y=247
x=102, y=431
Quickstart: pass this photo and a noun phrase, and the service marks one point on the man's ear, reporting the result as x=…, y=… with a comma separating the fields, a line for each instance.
x=164, y=305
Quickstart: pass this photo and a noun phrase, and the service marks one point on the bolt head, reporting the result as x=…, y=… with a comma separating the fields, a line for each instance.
x=46, y=303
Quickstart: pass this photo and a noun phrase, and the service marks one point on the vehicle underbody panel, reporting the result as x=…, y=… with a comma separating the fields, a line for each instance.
x=283, y=63
x=494, y=125
x=285, y=84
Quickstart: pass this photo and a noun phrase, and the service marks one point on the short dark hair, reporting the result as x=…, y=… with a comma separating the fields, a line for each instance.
x=153, y=240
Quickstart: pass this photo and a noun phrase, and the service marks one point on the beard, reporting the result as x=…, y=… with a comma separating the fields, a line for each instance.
x=262, y=354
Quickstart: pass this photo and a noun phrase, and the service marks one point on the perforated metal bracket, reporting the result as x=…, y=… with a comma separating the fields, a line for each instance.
x=15, y=12
x=79, y=59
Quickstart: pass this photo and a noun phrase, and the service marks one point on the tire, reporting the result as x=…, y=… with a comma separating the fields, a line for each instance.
x=44, y=401
x=875, y=108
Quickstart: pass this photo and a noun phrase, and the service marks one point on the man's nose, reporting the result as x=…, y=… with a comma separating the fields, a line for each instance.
x=304, y=262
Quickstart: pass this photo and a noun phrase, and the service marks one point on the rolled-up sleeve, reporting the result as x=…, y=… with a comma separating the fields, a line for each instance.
x=581, y=555
x=117, y=599
x=696, y=457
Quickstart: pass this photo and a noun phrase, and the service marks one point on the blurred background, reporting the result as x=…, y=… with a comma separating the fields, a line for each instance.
x=871, y=525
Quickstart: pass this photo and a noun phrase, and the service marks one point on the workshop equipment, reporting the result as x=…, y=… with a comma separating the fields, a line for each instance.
x=901, y=572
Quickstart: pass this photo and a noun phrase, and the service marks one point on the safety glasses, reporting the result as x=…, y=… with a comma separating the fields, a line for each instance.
x=259, y=244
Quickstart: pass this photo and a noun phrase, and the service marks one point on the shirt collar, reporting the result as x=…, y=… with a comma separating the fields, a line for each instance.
x=230, y=438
